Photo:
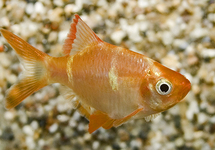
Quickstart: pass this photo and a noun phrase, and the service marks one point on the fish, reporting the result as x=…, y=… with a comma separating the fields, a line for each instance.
x=107, y=84
x=1, y=48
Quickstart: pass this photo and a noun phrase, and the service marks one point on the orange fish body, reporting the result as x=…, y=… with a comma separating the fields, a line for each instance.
x=107, y=84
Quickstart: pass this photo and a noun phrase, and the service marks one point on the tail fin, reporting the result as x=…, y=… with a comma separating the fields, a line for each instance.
x=34, y=76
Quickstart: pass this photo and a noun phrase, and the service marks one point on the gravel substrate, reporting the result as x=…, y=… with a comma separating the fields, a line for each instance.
x=178, y=33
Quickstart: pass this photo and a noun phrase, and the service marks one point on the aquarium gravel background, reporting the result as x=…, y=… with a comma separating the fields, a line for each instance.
x=179, y=34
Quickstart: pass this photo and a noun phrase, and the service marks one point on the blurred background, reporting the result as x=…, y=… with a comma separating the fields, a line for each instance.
x=179, y=34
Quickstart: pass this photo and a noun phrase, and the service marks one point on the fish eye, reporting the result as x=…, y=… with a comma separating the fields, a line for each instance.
x=163, y=87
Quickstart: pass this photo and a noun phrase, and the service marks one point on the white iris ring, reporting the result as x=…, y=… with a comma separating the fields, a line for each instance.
x=163, y=87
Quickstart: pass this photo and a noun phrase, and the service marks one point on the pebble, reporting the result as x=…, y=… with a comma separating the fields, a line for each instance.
x=137, y=143
x=30, y=143
x=202, y=118
x=4, y=22
x=62, y=36
x=87, y=137
x=28, y=130
x=59, y=3
x=53, y=128
x=192, y=109
x=171, y=60
x=167, y=38
x=11, y=78
x=9, y=115
x=199, y=32
x=208, y=53
x=179, y=142
x=117, y=36
x=41, y=143
x=34, y=125
x=63, y=118
x=30, y=8
x=95, y=145
x=39, y=8
x=68, y=9
x=52, y=37
x=4, y=60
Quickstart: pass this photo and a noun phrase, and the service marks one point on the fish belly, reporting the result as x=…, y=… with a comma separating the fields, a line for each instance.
x=104, y=80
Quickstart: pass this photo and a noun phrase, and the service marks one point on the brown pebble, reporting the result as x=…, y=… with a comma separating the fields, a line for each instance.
x=123, y=134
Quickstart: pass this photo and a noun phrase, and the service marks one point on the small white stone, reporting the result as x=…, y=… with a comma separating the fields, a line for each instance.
x=59, y=3
x=96, y=145
x=76, y=116
x=4, y=22
x=62, y=118
x=108, y=148
x=53, y=128
x=81, y=127
x=87, y=136
x=143, y=4
x=198, y=143
x=22, y=117
x=52, y=37
x=117, y=36
x=8, y=115
x=199, y=32
x=202, y=118
x=72, y=123
x=136, y=143
x=192, y=109
x=212, y=119
x=29, y=8
x=41, y=143
x=62, y=36
x=210, y=53
x=28, y=130
x=34, y=125
x=171, y=60
x=143, y=26
x=122, y=145
x=39, y=8
x=179, y=142
x=167, y=38
x=134, y=33
x=162, y=8
x=1, y=4
x=68, y=9
x=12, y=78
x=30, y=143
x=4, y=60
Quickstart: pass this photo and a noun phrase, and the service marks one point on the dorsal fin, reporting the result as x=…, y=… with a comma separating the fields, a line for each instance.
x=80, y=36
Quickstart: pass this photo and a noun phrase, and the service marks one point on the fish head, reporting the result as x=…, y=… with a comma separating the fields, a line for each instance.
x=162, y=87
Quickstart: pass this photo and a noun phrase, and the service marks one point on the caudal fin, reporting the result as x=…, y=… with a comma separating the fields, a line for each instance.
x=34, y=76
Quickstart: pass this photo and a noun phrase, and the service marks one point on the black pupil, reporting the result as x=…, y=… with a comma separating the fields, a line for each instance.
x=164, y=88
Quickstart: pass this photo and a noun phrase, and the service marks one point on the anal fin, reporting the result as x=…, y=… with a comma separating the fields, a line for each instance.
x=118, y=122
x=99, y=119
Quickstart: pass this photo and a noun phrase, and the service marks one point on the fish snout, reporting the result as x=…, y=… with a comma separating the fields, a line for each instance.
x=186, y=86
